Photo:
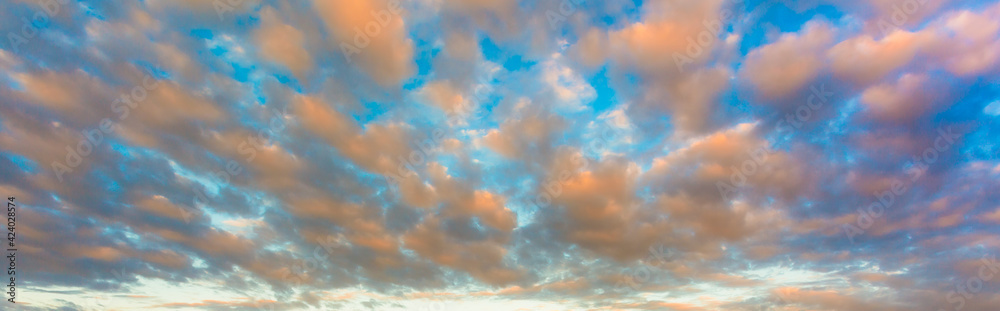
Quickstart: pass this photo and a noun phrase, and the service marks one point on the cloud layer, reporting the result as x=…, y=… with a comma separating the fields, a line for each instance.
x=501, y=155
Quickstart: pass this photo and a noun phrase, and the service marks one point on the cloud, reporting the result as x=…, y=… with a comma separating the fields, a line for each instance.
x=910, y=97
x=378, y=149
x=778, y=69
x=568, y=86
x=864, y=60
x=282, y=43
x=444, y=96
x=371, y=34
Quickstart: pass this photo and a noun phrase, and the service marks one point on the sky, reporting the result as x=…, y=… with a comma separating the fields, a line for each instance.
x=443, y=155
